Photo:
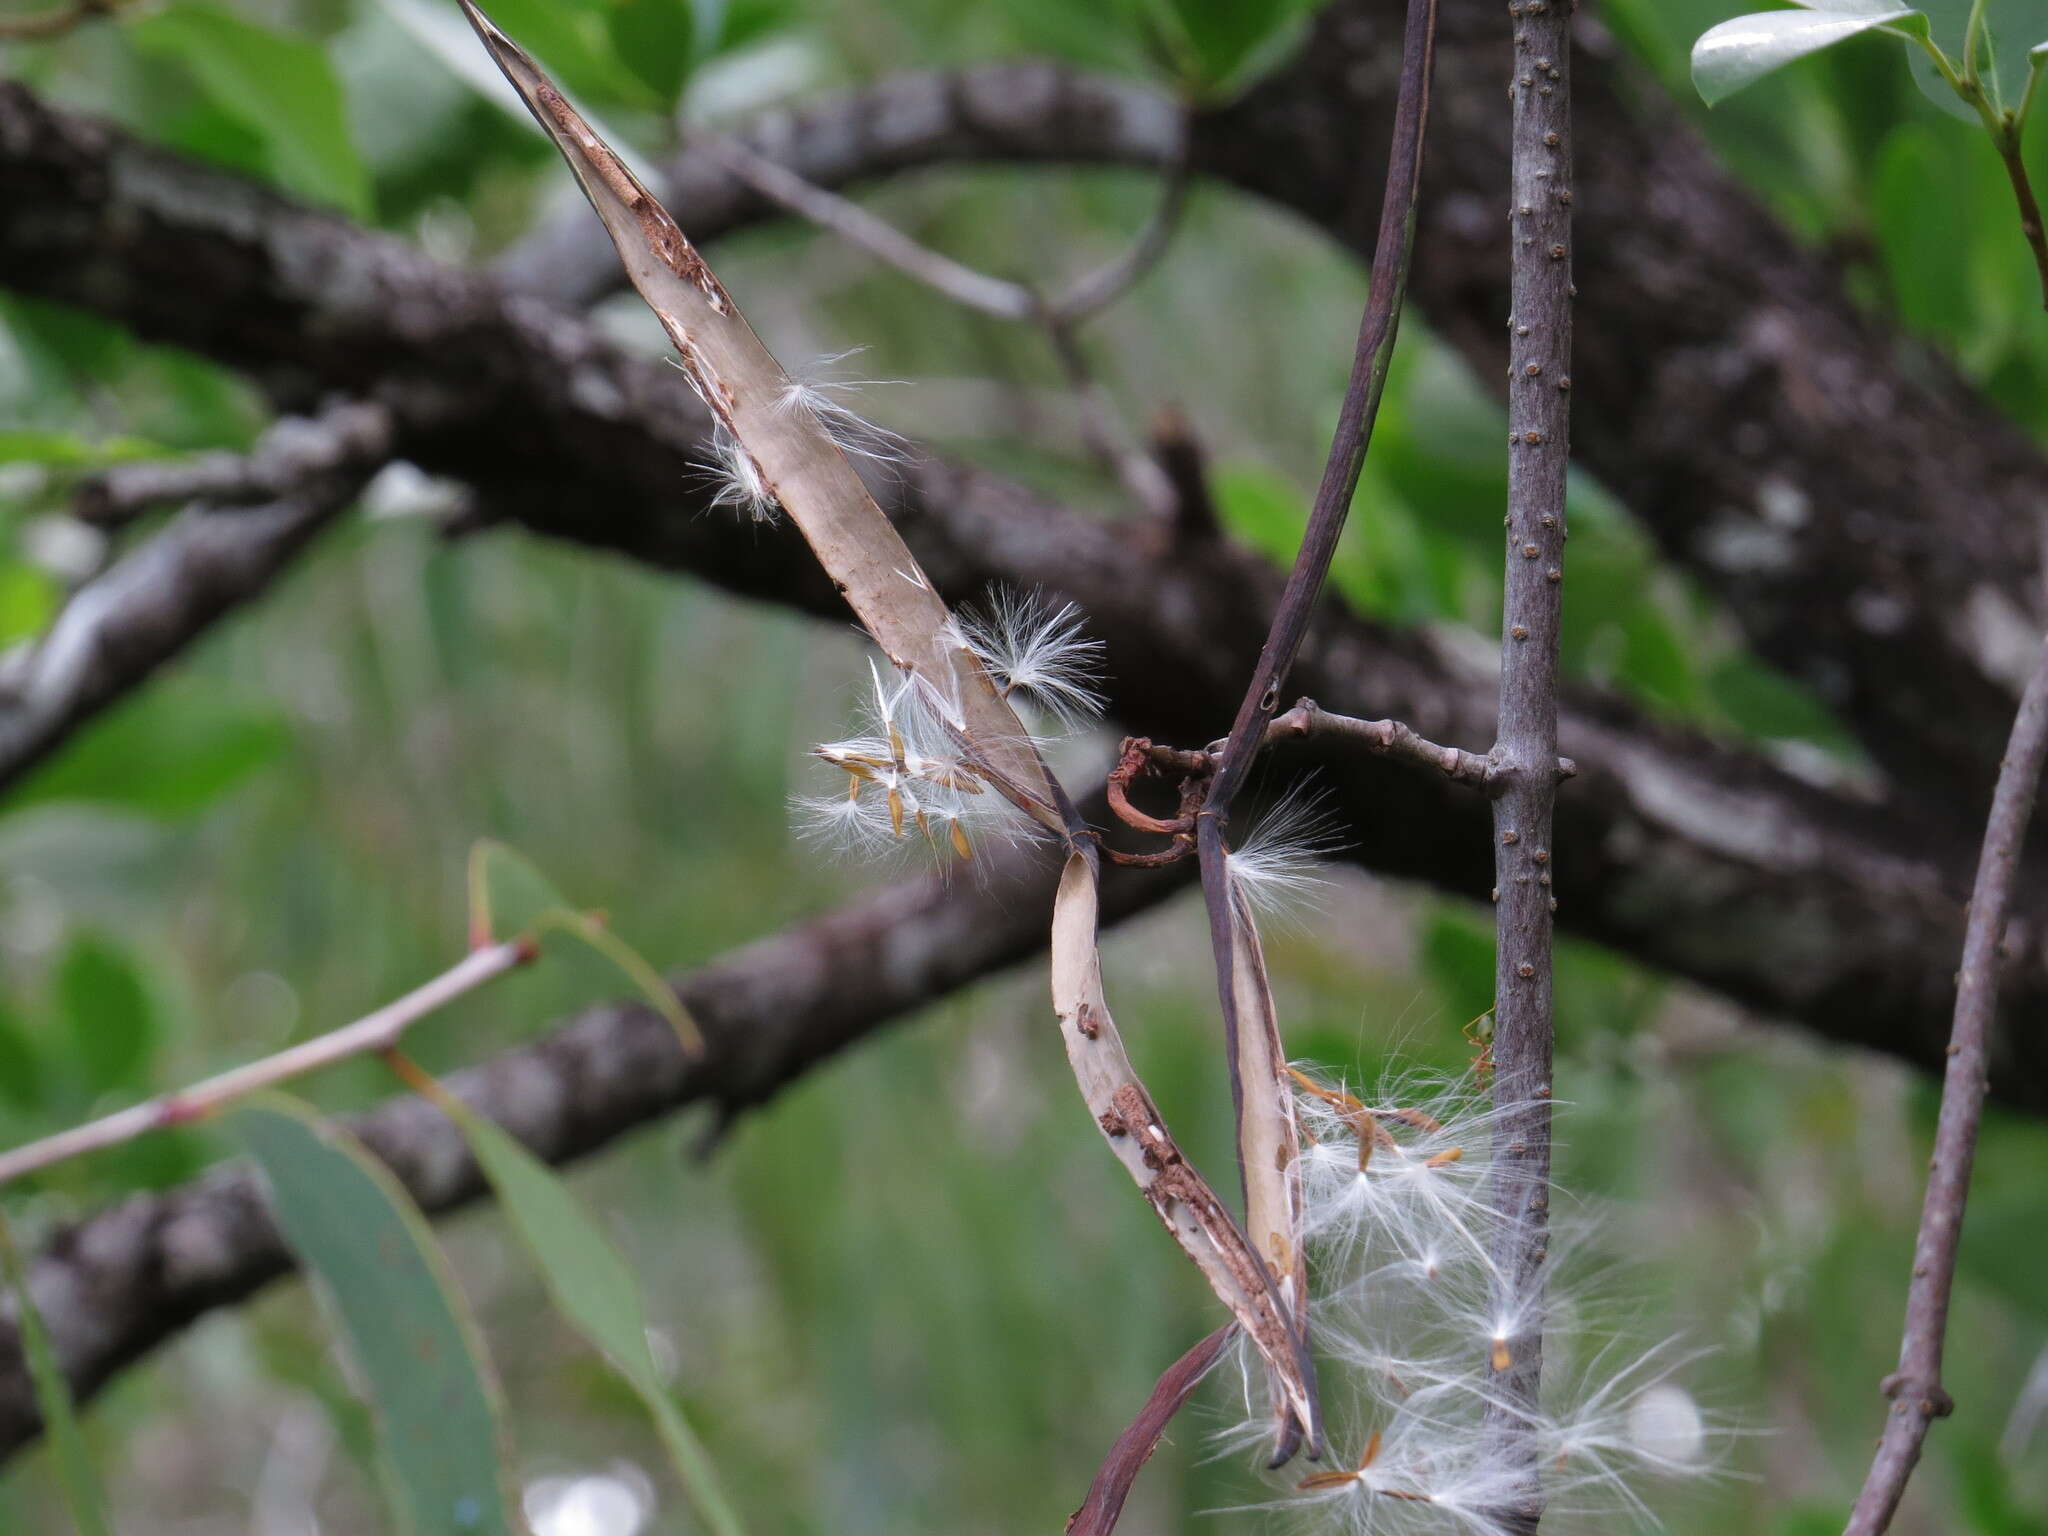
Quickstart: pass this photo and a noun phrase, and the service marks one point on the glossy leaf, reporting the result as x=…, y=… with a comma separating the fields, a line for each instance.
x=106, y=1012
x=280, y=87
x=1739, y=52
x=591, y=1286
x=387, y=1286
x=75, y=1470
x=442, y=32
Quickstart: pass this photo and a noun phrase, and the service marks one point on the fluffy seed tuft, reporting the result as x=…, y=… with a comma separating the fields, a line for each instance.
x=810, y=392
x=1037, y=651
x=907, y=782
x=1277, y=866
x=1413, y=1325
x=736, y=479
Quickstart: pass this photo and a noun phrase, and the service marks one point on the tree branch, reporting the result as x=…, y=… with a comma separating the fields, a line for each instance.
x=1915, y=1389
x=1776, y=440
x=1704, y=861
x=343, y=438
x=1525, y=746
x=121, y=626
x=380, y=1030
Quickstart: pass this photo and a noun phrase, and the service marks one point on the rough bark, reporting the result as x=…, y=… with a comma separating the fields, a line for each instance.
x=1700, y=860
x=1871, y=521
x=1525, y=852
x=1869, y=517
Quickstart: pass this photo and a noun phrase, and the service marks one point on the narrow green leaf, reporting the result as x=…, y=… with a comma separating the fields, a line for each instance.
x=106, y=1012
x=67, y=450
x=1738, y=52
x=509, y=898
x=410, y=1334
x=591, y=1284
x=53, y=1400
x=280, y=87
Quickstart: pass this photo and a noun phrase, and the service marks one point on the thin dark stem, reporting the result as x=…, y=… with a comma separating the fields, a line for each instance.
x=1915, y=1389
x=1098, y=1513
x=2007, y=137
x=1525, y=748
x=1319, y=543
x=1375, y=351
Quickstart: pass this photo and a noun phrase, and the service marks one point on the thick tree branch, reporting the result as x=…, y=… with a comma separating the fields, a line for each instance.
x=1699, y=860
x=295, y=454
x=1792, y=451
x=1779, y=442
x=121, y=626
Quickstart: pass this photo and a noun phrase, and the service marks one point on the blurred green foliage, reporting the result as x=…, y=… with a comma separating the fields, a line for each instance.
x=910, y=1294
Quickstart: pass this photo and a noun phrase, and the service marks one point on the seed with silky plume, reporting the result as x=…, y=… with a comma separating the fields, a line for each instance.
x=1036, y=650
x=811, y=394
x=1279, y=866
x=1415, y=1329
x=906, y=780
x=736, y=479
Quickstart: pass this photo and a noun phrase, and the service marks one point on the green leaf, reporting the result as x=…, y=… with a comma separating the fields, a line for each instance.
x=561, y=37
x=1457, y=956
x=1221, y=46
x=66, y=450
x=1924, y=208
x=1738, y=52
x=1766, y=704
x=106, y=1013
x=29, y=599
x=656, y=40
x=408, y=1331
x=509, y=898
x=280, y=87
x=75, y=1470
x=21, y=1064
x=168, y=754
x=591, y=1285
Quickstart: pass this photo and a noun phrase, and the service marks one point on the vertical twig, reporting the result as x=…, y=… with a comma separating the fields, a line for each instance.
x=1391, y=250
x=1525, y=749
x=1915, y=1389
x=1229, y=923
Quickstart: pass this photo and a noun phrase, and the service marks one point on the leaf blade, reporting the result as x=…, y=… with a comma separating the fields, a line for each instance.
x=1743, y=50
x=282, y=87
x=75, y=1470
x=388, y=1288
x=590, y=1283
